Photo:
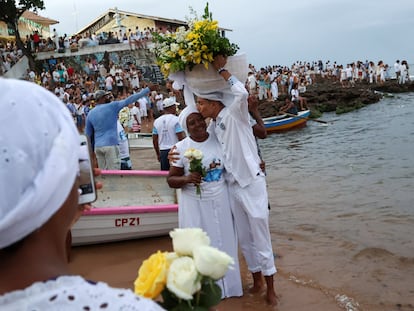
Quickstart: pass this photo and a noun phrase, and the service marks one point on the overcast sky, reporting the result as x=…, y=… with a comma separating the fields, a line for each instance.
x=274, y=32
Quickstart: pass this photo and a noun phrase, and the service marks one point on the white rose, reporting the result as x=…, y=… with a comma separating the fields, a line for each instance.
x=184, y=240
x=212, y=262
x=174, y=47
x=170, y=256
x=183, y=279
x=189, y=153
x=197, y=154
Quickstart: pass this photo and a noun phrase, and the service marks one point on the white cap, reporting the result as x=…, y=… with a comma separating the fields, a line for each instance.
x=168, y=102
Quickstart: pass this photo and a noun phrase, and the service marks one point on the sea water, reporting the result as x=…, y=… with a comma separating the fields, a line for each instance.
x=342, y=204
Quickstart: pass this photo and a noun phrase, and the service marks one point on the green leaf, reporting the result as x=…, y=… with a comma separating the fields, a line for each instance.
x=169, y=300
x=210, y=294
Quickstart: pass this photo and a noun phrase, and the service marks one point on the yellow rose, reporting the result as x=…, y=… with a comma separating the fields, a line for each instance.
x=183, y=279
x=186, y=239
x=152, y=276
x=212, y=262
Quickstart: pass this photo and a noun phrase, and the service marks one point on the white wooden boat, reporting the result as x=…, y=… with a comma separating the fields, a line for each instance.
x=140, y=140
x=131, y=205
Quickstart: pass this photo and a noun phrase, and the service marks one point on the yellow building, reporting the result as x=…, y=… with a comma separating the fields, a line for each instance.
x=115, y=20
x=29, y=22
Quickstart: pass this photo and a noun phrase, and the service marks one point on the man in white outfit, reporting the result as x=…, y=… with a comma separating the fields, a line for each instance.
x=397, y=70
x=247, y=184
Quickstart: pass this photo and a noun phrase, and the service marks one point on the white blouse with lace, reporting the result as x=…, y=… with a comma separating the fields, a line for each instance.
x=74, y=293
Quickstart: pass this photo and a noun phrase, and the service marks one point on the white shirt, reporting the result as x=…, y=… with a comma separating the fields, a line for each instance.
x=397, y=67
x=109, y=82
x=167, y=127
x=252, y=82
x=122, y=142
x=233, y=131
x=135, y=111
x=143, y=103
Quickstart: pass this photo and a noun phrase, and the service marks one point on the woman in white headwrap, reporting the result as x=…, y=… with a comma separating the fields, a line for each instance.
x=210, y=209
x=39, y=171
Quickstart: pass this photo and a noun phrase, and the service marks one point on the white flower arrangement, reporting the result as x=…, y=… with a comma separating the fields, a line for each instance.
x=186, y=277
x=186, y=48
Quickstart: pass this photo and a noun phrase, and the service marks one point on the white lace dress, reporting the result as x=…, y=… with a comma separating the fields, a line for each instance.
x=74, y=293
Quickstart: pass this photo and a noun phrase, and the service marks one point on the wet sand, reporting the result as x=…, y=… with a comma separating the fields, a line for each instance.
x=118, y=263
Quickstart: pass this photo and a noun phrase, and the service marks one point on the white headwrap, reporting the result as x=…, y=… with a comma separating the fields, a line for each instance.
x=182, y=117
x=39, y=154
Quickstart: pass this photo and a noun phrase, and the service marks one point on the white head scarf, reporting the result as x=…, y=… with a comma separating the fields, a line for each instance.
x=182, y=117
x=39, y=154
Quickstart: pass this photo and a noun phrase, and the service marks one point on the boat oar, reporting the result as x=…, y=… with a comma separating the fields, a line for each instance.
x=306, y=118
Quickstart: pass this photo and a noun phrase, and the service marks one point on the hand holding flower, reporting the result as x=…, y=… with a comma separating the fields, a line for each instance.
x=194, y=178
x=195, y=157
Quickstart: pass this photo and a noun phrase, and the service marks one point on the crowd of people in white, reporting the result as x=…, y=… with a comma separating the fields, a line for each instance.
x=270, y=81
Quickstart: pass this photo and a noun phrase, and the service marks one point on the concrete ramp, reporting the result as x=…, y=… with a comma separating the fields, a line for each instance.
x=18, y=71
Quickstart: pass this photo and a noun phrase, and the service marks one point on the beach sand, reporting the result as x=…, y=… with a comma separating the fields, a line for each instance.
x=118, y=263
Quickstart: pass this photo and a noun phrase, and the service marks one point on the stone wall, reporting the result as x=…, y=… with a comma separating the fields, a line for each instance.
x=119, y=54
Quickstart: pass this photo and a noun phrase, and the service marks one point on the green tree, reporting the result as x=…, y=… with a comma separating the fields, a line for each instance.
x=10, y=12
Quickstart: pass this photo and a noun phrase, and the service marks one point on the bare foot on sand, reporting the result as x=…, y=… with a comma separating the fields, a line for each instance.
x=258, y=283
x=271, y=298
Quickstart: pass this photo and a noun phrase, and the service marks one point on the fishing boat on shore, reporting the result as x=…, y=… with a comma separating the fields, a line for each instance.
x=140, y=140
x=286, y=122
x=131, y=205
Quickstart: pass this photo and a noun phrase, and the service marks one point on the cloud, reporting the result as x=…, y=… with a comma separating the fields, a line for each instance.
x=279, y=32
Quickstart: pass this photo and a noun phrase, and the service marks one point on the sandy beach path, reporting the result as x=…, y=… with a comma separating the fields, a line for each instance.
x=118, y=263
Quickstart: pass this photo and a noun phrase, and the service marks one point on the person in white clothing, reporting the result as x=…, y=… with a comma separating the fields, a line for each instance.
x=251, y=83
x=159, y=99
x=210, y=210
x=109, y=83
x=274, y=89
x=397, y=70
x=123, y=145
x=55, y=37
x=143, y=107
x=247, y=182
x=166, y=132
x=134, y=124
x=404, y=72
x=39, y=190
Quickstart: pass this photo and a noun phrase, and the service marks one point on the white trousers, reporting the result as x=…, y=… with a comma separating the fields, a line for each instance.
x=251, y=217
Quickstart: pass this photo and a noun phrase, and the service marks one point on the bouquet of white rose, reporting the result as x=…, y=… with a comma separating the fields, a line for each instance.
x=186, y=277
x=195, y=157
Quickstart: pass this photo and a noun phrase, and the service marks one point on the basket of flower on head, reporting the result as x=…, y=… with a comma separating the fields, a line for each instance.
x=192, y=49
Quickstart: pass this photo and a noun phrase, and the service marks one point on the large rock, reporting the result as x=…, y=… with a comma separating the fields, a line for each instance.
x=326, y=95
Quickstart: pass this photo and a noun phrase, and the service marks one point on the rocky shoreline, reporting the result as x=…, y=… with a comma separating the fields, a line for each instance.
x=326, y=95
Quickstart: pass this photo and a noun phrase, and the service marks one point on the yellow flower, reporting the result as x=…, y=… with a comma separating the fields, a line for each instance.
x=152, y=276
x=186, y=48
